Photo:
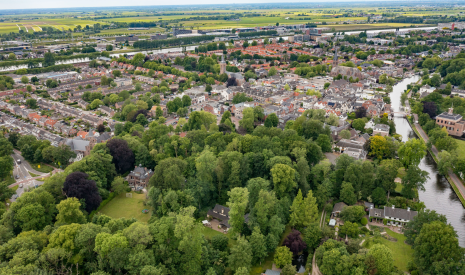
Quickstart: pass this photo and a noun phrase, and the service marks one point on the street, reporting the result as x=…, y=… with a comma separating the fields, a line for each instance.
x=23, y=178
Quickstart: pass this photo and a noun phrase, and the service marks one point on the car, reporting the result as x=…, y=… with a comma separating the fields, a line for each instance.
x=14, y=196
x=138, y=188
x=20, y=185
x=17, y=176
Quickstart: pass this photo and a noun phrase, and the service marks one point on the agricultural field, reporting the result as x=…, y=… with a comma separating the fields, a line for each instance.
x=35, y=25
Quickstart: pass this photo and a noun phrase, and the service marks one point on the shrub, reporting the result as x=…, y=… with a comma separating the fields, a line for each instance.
x=364, y=221
x=385, y=222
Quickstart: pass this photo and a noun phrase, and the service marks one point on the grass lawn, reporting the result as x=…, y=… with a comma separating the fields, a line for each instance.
x=33, y=175
x=401, y=252
x=121, y=206
x=209, y=233
x=43, y=168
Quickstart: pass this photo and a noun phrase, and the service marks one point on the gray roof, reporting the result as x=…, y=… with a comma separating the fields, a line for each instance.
x=399, y=213
x=346, y=143
x=381, y=127
x=339, y=206
x=271, y=272
x=141, y=172
x=77, y=144
x=377, y=213
x=446, y=115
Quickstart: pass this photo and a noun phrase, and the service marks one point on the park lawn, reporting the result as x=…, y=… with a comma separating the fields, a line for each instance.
x=122, y=207
x=401, y=252
x=43, y=168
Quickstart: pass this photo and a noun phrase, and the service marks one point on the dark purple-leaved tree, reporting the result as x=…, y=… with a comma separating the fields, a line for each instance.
x=294, y=242
x=123, y=157
x=77, y=185
x=430, y=108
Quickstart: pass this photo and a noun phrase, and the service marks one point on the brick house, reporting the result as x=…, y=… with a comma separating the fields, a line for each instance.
x=139, y=177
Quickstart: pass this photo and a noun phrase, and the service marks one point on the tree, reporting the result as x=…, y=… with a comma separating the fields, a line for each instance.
x=6, y=166
x=5, y=191
x=31, y=103
x=141, y=119
x=414, y=179
x=361, y=112
x=271, y=120
x=242, y=271
x=379, y=196
x=345, y=134
x=352, y=213
x=413, y=228
x=118, y=186
x=158, y=112
x=412, y=152
x=430, y=108
x=186, y=101
x=294, y=242
x=123, y=157
x=6, y=147
x=241, y=255
x=289, y=270
x=63, y=154
x=77, y=185
x=348, y=193
x=220, y=242
x=379, y=147
x=282, y=256
x=384, y=261
x=283, y=179
x=358, y=124
x=238, y=200
x=49, y=59
x=303, y=211
x=24, y=79
x=324, y=141
x=69, y=212
x=312, y=236
x=13, y=138
x=437, y=247
x=258, y=245
x=349, y=229
x=272, y=71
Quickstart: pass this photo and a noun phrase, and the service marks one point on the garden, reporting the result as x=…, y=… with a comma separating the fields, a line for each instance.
x=127, y=207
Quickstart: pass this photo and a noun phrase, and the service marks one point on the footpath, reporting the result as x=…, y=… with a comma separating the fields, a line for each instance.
x=453, y=179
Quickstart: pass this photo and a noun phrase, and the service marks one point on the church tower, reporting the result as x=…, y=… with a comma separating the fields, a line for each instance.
x=222, y=65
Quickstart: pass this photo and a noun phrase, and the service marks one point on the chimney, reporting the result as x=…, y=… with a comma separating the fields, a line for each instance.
x=393, y=207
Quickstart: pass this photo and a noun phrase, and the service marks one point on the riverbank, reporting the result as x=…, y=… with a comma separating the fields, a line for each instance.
x=452, y=178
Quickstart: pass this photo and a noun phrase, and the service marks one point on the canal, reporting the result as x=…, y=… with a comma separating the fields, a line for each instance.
x=439, y=195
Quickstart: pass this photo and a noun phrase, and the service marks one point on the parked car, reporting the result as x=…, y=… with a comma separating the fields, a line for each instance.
x=20, y=185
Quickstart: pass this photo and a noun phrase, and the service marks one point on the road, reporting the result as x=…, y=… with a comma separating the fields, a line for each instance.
x=25, y=179
x=435, y=151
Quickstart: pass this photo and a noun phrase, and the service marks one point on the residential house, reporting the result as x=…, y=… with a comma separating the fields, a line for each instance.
x=381, y=129
x=139, y=177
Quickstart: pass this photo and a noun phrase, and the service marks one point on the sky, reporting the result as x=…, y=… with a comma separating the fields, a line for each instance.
x=44, y=4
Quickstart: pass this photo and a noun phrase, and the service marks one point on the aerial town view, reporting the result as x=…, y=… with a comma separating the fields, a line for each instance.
x=234, y=138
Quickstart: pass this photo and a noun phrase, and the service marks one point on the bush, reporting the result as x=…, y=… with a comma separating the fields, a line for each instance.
x=364, y=221
x=385, y=222
x=328, y=208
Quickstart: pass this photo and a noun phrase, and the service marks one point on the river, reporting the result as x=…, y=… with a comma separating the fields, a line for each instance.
x=439, y=195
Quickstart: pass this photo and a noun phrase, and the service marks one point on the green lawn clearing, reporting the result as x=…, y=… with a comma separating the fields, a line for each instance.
x=43, y=168
x=121, y=206
x=401, y=252
x=33, y=175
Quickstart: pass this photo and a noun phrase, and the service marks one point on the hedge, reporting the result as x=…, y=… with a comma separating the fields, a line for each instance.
x=102, y=204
